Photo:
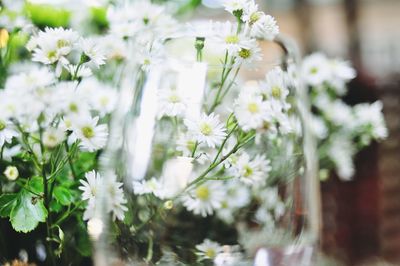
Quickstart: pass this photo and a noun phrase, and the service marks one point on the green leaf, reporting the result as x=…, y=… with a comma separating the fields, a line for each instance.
x=36, y=184
x=28, y=212
x=63, y=196
x=7, y=203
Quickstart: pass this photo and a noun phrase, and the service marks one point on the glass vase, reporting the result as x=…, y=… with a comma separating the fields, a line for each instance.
x=215, y=160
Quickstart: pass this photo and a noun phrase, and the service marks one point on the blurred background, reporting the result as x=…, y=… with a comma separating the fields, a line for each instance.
x=362, y=216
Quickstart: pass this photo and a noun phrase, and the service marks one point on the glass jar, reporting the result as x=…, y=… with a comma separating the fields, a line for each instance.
x=216, y=163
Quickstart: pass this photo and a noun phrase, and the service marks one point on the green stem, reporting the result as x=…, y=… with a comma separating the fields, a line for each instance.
x=70, y=162
x=195, y=148
x=47, y=199
x=238, y=145
x=66, y=215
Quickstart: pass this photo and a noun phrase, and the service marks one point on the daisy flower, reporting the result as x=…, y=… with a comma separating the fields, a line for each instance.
x=226, y=35
x=251, y=172
x=315, y=69
x=251, y=111
x=53, y=137
x=115, y=197
x=112, y=190
x=248, y=56
x=52, y=44
x=91, y=135
x=6, y=132
x=208, y=250
x=151, y=186
x=93, y=51
x=369, y=118
x=275, y=87
x=236, y=7
x=204, y=199
x=206, y=129
x=172, y=102
x=90, y=186
x=341, y=151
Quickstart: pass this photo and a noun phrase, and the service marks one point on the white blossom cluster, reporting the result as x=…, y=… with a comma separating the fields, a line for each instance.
x=341, y=128
x=59, y=102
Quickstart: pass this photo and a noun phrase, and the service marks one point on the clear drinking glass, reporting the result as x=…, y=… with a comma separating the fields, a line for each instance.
x=255, y=192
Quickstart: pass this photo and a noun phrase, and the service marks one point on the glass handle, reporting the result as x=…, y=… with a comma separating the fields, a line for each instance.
x=310, y=184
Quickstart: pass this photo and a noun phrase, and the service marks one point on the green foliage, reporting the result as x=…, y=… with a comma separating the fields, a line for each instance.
x=63, y=195
x=7, y=203
x=27, y=212
x=48, y=15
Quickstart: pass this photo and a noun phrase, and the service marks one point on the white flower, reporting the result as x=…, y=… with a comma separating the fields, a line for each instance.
x=53, y=44
x=204, y=199
x=251, y=172
x=341, y=73
x=90, y=186
x=8, y=153
x=172, y=102
x=315, y=69
x=369, y=120
x=226, y=35
x=91, y=135
x=207, y=129
x=69, y=100
x=81, y=72
x=92, y=50
x=11, y=173
x=236, y=6
x=341, y=151
x=339, y=114
x=6, y=132
x=275, y=87
x=200, y=29
x=53, y=136
x=251, y=111
x=34, y=78
x=112, y=190
x=208, y=249
x=318, y=127
x=262, y=26
x=104, y=100
x=236, y=196
x=115, y=197
x=151, y=186
x=249, y=56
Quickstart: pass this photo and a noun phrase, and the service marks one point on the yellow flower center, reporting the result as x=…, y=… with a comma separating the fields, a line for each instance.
x=276, y=92
x=244, y=53
x=210, y=253
x=174, y=98
x=253, y=108
x=254, y=17
x=52, y=55
x=73, y=107
x=104, y=101
x=62, y=43
x=314, y=70
x=232, y=39
x=206, y=129
x=88, y=132
x=203, y=193
x=248, y=171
